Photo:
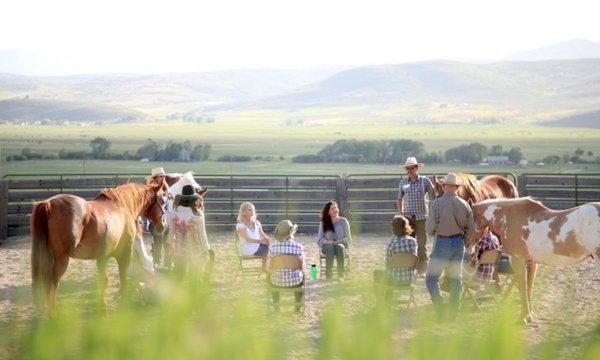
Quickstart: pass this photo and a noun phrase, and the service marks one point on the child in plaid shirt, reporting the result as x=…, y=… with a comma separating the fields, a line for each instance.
x=483, y=273
x=400, y=243
x=285, y=245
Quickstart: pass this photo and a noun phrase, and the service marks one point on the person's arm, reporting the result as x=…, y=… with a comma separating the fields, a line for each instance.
x=264, y=238
x=347, y=238
x=429, y=189
x=400, y=204
x=244, y=236
x=431, y=222
x=320, y=236
x=471, y=226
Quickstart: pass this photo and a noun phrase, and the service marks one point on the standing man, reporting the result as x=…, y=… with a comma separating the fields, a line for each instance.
x=413, y=204
x=451, y=221
x=159, y=241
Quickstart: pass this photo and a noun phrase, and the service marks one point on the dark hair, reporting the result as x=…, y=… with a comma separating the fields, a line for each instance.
x=400, y=226
x=325, y=218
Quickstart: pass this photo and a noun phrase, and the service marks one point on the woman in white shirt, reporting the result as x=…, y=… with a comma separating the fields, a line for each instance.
x=253, y=240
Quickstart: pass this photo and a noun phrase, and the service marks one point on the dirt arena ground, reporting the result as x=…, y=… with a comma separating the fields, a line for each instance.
x=567, y=310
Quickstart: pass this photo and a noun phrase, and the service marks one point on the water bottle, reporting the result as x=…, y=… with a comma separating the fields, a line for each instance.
x=313, y=271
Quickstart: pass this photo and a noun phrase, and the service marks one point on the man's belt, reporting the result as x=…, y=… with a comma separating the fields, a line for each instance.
x=451, y=236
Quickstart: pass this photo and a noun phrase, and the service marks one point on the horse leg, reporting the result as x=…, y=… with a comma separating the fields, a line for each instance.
x=58, y=270
x=102, y=282
x=531, y=272
x=520, y=270
x=124, y=260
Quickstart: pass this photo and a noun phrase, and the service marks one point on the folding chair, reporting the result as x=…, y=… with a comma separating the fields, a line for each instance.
x=508, y=283
x=322, y=259
x=404, y=260
x=474, y=290
x=279, y=262
x=247, y=264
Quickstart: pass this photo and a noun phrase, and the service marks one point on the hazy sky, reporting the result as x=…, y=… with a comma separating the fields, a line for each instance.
x=179, y=36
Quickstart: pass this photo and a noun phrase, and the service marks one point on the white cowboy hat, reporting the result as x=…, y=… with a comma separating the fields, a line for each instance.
x=412, y=161
x=158, y=171
x=284, y=229
x=188, y=179
x=450, y=179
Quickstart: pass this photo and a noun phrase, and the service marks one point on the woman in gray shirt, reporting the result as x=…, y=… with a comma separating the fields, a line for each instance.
x=334, y=238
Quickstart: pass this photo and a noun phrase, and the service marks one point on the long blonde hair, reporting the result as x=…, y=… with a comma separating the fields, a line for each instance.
x=243, y=207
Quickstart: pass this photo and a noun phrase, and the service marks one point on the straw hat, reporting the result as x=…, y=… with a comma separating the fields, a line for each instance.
x=285, y=229
x=412, y=161
x=451, y=179
x=158, y=171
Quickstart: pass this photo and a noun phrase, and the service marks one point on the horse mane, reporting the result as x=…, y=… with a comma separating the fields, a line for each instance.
x=132, y=196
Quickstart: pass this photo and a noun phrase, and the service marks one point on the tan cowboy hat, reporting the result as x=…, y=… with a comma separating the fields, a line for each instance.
x=158, y=171
x=284, y=229
x=412, y=161
x=450, y=179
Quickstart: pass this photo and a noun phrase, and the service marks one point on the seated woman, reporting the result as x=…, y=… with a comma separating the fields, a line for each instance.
x=333, y=238
x=286, y=278
x=253, y=240
x=401, y=242
x=483, y=272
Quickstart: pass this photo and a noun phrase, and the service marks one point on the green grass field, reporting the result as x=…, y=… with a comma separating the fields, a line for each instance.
x=265, y=134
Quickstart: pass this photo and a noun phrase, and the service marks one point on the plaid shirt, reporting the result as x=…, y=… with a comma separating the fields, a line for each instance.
x=286, y=277
x=484, y=272
x=405, y=244
x=414, y=195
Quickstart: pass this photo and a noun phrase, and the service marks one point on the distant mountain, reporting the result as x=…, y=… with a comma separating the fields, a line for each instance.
x=572, y=49
x=524, y=84
x=163, y=91
x=584, y=120
x=50, y=111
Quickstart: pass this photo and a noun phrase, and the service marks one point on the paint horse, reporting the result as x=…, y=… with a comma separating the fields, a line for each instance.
x=533, y=233
x=66, y=226
x=488, y=187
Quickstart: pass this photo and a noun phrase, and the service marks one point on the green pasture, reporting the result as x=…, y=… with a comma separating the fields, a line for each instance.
x=268, y=134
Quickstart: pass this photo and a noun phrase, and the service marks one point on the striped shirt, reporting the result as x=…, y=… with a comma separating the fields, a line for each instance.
x=413, y=193
x=286, y=277
x=405, y=244
x=483, y=273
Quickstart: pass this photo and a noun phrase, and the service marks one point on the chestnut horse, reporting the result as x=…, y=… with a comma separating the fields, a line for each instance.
x=534, y=233
x=488, y=187
x=65, y=226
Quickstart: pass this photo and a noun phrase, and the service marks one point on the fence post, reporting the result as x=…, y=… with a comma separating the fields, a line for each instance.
x=341, y=192
x=522, y=185
x=3, y=209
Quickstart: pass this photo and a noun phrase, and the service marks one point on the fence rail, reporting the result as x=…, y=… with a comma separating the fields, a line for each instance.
x=368, y=200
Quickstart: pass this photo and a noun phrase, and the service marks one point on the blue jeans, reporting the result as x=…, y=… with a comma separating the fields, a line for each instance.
x=447, y=255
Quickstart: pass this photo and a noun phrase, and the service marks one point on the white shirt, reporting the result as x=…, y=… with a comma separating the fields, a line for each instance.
x=247, y=248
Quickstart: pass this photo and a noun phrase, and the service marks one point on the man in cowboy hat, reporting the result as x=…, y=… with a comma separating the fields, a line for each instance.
x=413, y=204
x=285, y=245
x=451, y=221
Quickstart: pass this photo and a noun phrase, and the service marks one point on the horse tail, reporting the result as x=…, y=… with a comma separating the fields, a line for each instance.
x=508, y=188
x=42, y=260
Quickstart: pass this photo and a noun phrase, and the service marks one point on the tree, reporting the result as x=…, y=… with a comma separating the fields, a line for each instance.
x=496, y=150
x=579, y=152
x=151, y=150
x=99, y=147
x=515, y=155
x=590, y=153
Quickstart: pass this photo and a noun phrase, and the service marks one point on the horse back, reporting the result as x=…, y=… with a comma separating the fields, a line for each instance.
x=498, y=187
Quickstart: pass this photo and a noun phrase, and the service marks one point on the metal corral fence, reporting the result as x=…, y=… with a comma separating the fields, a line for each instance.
x=368, y=200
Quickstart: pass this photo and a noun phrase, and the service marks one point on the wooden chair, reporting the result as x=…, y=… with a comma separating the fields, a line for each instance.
x=322, y=259
x=473, y=290
x=279, y=262
x=248, y=265
x=397, y=260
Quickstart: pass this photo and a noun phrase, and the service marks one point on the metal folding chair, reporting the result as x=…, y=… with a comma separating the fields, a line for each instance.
x=477, y=291
x=322, y=259
x=404, y=260
x=247, y=265
x=279, y=262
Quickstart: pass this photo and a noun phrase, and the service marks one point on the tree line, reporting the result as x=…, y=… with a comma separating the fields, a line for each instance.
x=395, y=151
x=100, y=146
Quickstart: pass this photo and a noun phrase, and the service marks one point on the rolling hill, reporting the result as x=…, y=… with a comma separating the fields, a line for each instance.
x=45, y=110
x=572, y=49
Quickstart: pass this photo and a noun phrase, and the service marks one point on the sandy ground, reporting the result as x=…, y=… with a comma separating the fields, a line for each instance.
x=566, y=303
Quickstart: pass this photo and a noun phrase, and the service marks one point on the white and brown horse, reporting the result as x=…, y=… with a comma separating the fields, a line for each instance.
x=533, y=233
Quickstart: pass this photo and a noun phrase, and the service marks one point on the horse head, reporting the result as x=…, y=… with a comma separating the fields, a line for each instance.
x=156, y=210
x=437, y=185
